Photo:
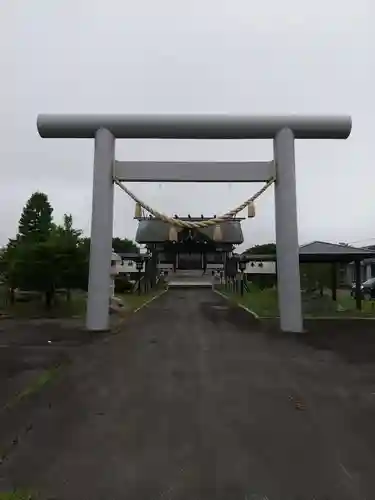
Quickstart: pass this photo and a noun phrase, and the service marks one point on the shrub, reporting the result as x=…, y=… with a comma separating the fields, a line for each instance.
x=122, y=284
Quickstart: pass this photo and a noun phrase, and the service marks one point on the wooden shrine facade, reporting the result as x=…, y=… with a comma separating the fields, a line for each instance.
x=182, y=248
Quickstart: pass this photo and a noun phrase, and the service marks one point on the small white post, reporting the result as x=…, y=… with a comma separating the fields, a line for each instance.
x=97, y=316
x=287, y=248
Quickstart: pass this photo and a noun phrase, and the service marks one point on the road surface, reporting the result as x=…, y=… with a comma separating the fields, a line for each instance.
x=192, y=401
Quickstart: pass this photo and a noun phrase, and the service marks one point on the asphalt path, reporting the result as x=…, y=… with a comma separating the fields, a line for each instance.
x=192, y=401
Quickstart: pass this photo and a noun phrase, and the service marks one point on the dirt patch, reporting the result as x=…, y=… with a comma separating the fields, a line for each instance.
x=351, y=339
x=31, y=353
x=39, y=332
x=29, y=347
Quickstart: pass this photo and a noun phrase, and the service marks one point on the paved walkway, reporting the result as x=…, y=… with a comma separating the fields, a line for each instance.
x=191, y=402
x=190, y=278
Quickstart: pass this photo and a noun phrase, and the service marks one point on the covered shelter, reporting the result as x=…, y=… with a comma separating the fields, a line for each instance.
x=327, y=253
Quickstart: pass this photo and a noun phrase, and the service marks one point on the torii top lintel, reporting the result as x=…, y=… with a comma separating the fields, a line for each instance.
x=189, y=126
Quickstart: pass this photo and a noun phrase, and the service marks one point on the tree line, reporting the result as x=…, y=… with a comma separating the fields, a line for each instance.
x=45, y=256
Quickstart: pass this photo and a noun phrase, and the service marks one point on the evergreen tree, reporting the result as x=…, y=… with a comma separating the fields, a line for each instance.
x=125, y=245
x=36, y=220
x=72, y=258
x=266, y=249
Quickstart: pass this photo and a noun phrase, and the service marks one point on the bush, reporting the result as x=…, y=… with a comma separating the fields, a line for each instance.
x=263, y=280
x=122, y=284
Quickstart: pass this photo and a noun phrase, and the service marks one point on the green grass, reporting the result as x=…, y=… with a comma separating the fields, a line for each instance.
x=18, y=495
x=76, y=307
x=36, y=308
x=133, y=300
x=264, y=303
x=349, y=305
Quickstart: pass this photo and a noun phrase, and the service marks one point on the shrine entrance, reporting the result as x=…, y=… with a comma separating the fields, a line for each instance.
x=190, y=260
x=192, y=248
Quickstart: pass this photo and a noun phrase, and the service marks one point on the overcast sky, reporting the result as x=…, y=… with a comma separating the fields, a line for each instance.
x=203, y=56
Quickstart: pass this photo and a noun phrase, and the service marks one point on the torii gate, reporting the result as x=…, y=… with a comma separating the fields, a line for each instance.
x=282, y=129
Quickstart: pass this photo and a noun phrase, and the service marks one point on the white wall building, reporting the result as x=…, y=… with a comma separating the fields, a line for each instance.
x=123, y=264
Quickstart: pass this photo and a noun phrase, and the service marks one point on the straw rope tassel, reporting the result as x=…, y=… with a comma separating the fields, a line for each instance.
x=173, y=236
x=218, y=233
x=251, y=210
x=138, y=211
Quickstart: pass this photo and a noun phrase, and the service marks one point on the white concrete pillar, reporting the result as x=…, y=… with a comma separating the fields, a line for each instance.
x=287, y=248
x=97, y=317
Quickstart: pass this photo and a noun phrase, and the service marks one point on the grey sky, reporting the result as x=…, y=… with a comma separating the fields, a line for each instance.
x=202, y=56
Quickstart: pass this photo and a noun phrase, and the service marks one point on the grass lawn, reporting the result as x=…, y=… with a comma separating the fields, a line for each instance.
x=349, y=305
x=76, y=307
x=264, y=303
x=133, y=300
x=36, y=308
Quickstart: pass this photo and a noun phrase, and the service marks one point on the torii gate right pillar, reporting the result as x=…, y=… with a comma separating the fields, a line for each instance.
x=287, y=247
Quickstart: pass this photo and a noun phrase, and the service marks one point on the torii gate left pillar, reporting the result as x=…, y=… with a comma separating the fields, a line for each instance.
x=282, y=129
x=97, y=315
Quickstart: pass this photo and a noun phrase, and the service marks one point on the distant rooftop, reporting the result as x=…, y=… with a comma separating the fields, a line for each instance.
x=321, y=251
x=157, y=231
x=323, y=247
